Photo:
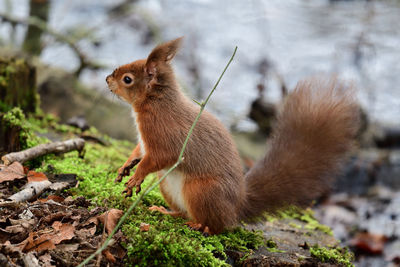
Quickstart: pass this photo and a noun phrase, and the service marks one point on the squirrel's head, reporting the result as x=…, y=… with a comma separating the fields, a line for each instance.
x=146, y=77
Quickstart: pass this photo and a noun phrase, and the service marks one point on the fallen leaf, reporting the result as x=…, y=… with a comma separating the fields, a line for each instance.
x=52, y=197
x=12, y=172
x=47, y=239
x=56, y=216
x=369, y=243
x=45, y=260
x=65, y=231
x=26, y=215
x=36, y=176
x=107, y=254
x=144, y=227
x=4, y=235
x=68, y=247
x=15, y=229
x=9, y=248
x=110, y=219
x=36, y=242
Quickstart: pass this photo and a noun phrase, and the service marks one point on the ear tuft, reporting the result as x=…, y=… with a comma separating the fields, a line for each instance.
x=165, y=52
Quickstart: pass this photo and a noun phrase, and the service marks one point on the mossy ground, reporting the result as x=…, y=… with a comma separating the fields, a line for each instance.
x=337, y=255
x=168, y=242
x=307, y=216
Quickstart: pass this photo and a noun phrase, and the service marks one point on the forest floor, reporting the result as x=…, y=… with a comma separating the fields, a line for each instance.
x=70, y=219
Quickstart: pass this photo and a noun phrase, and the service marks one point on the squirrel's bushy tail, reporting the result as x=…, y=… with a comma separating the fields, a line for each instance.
x=314, y=129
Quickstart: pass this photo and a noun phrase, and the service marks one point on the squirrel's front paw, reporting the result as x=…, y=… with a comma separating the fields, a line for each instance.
x=125, y=170
x=132, y=183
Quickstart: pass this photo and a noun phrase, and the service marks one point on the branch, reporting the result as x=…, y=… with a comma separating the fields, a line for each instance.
x=151, y=187
x=30, y=190
x=71, y=42
x=43, y=149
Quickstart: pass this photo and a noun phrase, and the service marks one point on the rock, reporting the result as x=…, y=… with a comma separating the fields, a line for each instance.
x=289, y=242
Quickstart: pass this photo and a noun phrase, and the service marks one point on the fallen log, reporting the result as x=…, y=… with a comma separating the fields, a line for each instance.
x=43, y=149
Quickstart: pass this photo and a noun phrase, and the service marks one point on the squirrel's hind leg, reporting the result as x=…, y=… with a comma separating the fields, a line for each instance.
x=174, y=210
x=210, y=204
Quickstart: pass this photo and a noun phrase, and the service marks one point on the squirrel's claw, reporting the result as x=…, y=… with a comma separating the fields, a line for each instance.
x=125, y=170
x=127, y=192
x=119, y=178
x=132, y=183
x=199, y=227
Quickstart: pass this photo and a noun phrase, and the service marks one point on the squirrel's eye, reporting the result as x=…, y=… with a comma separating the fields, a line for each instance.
x=127, y=79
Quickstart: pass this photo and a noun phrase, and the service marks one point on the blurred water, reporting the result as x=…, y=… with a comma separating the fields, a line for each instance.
x=358, y=40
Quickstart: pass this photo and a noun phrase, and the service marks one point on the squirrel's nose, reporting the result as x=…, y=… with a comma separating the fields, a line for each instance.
x=108, y=78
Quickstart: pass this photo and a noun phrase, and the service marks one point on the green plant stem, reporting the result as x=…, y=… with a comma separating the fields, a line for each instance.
x=151, y=187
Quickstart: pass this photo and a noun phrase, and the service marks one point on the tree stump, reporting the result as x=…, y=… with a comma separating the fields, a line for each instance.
x=17, y=89
x=17, y=85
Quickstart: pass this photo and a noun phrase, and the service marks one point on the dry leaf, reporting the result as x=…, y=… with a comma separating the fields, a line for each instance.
x=65, y=231
x=45, y=260
x=68, y=247
x=110, y=219
x=12, y=172
x=36, y=176
x=52, y=197
x=107, y=254
x=37, y=242
x=46, y=240
x=144, y=227
x=56, y=216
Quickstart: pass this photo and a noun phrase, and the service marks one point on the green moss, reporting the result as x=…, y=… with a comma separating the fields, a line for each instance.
x=271, y=246
x=307, y=216
x=42, y=123
x=337, y=255
x=16, y=118
x=295, y=225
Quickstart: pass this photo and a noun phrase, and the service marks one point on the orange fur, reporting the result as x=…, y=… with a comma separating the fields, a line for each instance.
x=314, y=130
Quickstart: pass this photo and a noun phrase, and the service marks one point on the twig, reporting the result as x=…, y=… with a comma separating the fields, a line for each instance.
x=152, y=186
x=31, y=190
x=71, y=42
x=43, y=149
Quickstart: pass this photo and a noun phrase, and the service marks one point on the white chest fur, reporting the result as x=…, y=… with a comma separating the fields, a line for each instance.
x=139, y=137
x=172, y=186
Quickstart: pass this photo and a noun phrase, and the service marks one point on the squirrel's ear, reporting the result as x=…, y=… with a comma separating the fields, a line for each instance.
x=164, y=52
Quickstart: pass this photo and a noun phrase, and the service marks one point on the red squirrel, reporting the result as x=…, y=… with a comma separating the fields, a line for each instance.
x=314, y=129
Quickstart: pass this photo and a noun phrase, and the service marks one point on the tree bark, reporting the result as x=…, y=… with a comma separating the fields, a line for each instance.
x=32, y=43
x=17, y=85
